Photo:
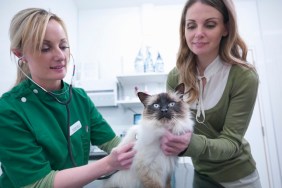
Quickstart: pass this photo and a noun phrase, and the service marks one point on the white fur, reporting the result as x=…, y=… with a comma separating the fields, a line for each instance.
x=149, y=153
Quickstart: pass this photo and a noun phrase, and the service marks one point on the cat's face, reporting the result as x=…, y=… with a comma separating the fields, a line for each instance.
x=164, y=108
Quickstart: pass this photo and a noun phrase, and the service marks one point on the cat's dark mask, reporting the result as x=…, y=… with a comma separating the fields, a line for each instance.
x=163, y=106
x=178, y=89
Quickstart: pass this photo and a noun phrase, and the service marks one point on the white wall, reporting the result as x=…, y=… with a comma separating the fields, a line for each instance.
x=249, y=28
x=64, y=8
x=270, y=15
x=261, y=28
x=110, y=39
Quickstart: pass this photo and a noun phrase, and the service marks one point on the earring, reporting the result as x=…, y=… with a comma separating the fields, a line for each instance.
x=21, y=61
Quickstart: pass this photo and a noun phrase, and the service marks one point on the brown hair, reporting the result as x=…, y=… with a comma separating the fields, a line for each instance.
x=232, y=48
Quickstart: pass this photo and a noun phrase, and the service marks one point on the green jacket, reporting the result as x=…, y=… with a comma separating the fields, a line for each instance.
x=217, y=147
x=33, y=132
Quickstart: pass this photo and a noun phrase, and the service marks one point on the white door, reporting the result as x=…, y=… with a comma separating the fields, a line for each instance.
x=255, y=137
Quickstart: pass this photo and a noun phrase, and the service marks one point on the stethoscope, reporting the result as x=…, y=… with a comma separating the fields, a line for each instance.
x=65, y=103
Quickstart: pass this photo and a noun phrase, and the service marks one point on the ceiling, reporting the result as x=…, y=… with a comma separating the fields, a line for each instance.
x=99, y=4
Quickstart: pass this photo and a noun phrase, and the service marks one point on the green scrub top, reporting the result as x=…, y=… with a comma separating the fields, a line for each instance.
x=33, y=132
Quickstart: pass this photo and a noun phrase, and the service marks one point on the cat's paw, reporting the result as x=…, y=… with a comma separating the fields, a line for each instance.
x=130, y=135
x=179, y=130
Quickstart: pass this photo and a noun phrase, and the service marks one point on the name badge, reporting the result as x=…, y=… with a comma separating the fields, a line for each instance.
x=75, y=127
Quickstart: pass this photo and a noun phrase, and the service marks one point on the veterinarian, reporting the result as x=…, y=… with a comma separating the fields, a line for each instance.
x=221, y=89
x=46, y=125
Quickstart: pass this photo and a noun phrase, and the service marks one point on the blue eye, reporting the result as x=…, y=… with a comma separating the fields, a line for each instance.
x=171, y=104
x=156, y=105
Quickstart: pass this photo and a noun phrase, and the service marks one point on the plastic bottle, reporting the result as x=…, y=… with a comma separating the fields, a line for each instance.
x=159, y=65
x=149, y=64
x=139, y=63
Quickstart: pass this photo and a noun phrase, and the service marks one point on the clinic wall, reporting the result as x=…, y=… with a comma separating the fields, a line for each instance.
x=110, y=45
x=263, y=33
x=66, y=9
x=271, y=29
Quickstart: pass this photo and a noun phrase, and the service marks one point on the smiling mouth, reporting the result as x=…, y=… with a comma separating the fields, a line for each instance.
x=57, y=67
x=199, y=43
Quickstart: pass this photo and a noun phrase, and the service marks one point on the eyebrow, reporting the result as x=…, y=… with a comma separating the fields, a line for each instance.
x=212, y=18
x=49, y=42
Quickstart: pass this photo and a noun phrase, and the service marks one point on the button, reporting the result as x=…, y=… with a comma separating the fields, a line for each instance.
x=35, y=91
x=23, y=99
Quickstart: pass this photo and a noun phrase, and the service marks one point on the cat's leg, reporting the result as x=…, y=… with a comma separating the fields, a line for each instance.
x=122, y=179
x=168, y=182
x=150, y=178
x=148, y=182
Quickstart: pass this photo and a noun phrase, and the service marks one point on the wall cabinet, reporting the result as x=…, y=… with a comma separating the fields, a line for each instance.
x=130, y=84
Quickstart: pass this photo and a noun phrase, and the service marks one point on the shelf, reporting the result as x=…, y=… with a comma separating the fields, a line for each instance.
x=130, y=103
x=151, y=82
x=131, y=79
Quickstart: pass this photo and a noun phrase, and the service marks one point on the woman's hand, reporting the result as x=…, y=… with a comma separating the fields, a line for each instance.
x=121, y=157
x=172, y=144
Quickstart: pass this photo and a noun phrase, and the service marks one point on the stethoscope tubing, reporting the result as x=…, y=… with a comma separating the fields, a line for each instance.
x=66, y=103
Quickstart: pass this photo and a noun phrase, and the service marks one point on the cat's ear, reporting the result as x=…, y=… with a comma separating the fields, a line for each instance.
x=180, y=89
x=143, y=96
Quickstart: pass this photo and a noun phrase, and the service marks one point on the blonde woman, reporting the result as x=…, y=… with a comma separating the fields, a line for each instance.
x=46, y=125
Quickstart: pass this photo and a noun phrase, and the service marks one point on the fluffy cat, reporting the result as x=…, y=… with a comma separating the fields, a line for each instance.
x=151, y=168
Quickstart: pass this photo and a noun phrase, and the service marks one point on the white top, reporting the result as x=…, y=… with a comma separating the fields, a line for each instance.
x=216, y=75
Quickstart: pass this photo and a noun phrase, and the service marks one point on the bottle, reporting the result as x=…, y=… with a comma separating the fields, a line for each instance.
x=159, y=64
x=149, y=64
x=139, y=63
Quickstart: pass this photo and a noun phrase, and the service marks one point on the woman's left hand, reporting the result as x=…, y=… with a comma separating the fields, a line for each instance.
x=172, y=144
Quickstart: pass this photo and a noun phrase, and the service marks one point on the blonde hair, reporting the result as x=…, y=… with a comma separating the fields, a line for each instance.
x=232, y=50
x=28, y=28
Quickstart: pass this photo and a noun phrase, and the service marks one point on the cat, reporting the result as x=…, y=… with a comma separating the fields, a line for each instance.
x=151, y=168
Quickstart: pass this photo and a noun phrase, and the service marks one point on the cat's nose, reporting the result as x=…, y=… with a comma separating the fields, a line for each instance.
x=164, y=113
x=164, y=110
